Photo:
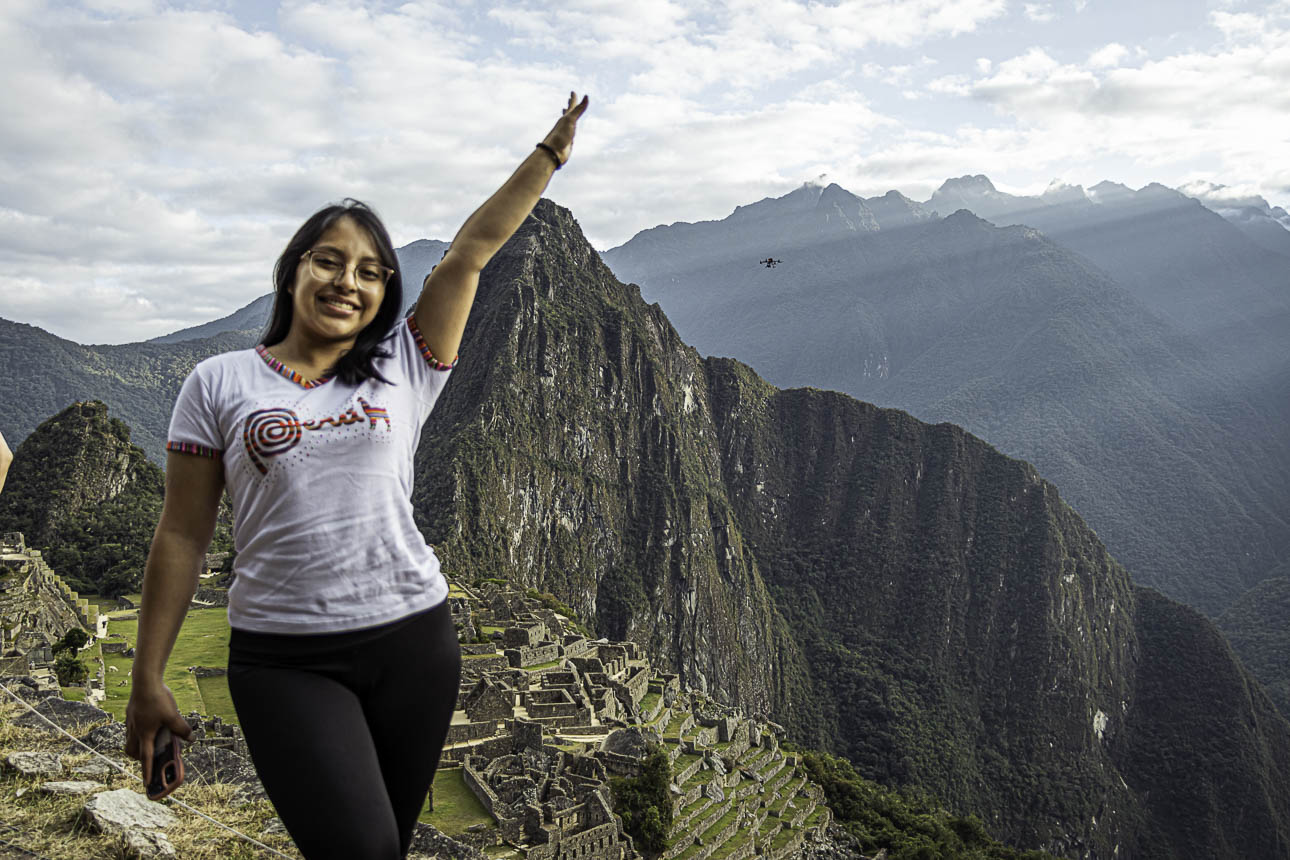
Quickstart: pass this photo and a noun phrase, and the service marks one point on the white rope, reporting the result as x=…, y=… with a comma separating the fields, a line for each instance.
x=176, y=801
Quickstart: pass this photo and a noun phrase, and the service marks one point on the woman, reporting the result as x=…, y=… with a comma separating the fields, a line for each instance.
x=343, y=661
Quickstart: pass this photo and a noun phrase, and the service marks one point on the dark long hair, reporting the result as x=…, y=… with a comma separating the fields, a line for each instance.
x=358, y=364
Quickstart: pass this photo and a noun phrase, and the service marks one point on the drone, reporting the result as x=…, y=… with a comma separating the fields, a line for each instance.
x=770, y=262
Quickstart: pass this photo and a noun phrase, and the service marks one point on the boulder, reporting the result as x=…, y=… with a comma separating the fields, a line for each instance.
x=35, y=763
x=147, y=844
x=107, y=738
x=714, y=792
x=629, y=742
x=61, y=713
x=122, y=811
x=71, y=787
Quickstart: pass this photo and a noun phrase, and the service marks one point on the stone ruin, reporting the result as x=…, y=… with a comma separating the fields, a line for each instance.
x=37, y=608
x=546, y=718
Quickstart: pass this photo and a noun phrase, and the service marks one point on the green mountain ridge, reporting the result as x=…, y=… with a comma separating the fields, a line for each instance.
x=87, y=497
x=895, y=591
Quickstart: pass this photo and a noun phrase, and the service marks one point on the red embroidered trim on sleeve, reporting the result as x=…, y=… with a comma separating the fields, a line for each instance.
x=425, y=350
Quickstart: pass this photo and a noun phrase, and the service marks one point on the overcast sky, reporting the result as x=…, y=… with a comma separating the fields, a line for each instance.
x=156, y=156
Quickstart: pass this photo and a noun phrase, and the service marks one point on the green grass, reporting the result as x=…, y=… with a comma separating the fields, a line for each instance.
x=540, y=666
x=456, y=806
x=216, y=698
x=648, y=701
x=202, y=641
x=74, y=694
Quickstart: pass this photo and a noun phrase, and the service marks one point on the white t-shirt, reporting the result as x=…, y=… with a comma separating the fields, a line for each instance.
x=320, y=475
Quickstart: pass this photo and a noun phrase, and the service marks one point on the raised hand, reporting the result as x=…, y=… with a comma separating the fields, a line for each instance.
x=560, y=137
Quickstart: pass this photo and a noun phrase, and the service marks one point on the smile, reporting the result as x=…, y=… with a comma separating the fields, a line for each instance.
x=340, y=304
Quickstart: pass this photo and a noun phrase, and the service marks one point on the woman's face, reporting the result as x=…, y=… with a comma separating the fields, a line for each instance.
x=336, y=307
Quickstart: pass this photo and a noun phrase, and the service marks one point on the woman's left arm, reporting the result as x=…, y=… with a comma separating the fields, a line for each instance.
x=449, y=290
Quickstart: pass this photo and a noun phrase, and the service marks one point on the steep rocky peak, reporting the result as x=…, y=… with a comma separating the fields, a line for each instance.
x=967, y=185
x=802, y=199
x=1059, y=192
x=894, y=209
x=1107, y=191
x=79, y=458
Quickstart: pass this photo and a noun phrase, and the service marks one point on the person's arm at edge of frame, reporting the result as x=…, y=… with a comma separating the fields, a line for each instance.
x=449, y=290
x=193, y=488
x=6, y=457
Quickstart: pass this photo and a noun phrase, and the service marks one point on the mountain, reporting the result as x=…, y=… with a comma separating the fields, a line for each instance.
x=1266, y=225
x=247, y=321
x=1183, y=262
x=416, y=259
x=1172, y=451
x=1258, y=626
x=41, y=373
x=895, y=591
x=84, y=495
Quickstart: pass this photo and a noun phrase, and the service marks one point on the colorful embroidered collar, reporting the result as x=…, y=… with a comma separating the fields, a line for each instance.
x=281, y=369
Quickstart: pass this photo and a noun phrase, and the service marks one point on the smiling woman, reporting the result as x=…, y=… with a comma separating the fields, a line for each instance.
x=343, y=660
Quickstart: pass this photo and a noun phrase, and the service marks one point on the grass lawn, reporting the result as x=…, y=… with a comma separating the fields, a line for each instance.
x=456, y=806
x=74, y=694
x=540, y=666
x=203, y=641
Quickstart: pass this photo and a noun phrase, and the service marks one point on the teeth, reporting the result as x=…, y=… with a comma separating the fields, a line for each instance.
x=342, y=305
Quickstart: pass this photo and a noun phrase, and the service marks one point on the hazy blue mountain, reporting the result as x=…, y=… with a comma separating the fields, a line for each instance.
x=415, y=261
x=1264, y=224
x=1168, y=445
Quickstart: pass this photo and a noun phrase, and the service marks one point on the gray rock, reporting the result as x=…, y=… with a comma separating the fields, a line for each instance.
x=147, y=844
x=62, y=713
x=275, y=825
x=108, y=738
x=714, y=792
x=718, y=765
x=71, y=787
x=204, y=764
x=94, y=767
x=629, y=742
x=428, y=841
x=123, y=810
x=35, y=763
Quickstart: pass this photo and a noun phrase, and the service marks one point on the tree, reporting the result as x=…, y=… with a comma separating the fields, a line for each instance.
x=644, y=802
x=73, y=639
x=69, y=669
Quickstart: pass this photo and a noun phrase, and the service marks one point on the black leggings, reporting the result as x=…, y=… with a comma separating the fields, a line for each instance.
x=345, y=729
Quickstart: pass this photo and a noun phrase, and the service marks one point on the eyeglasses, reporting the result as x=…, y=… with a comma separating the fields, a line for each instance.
x=368, y=276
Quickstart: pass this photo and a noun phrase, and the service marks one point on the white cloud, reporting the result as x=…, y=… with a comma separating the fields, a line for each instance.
x=155, y=156
x=1108, y=56
x=1039, y=12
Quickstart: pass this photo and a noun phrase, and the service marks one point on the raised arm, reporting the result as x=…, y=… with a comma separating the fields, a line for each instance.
x=449, y=290
x=193, y=488
x=6, y=457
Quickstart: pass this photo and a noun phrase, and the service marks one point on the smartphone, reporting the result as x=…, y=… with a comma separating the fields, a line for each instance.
x=167, y=766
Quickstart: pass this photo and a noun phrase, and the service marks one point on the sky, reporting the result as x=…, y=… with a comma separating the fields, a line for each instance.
x=156, y=156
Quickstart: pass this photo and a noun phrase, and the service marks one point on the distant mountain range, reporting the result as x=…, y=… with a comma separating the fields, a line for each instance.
x=1131, y=344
